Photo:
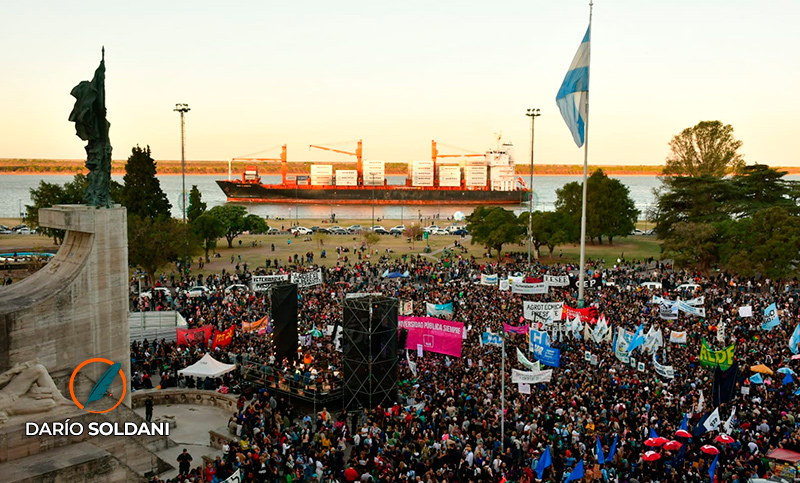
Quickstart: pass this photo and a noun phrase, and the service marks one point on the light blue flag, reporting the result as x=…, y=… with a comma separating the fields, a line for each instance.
x=613, y=450
x=544, y=461
x=757, y=379
x=638, y=339
x=794, y=340
x=713, y=468
x=600, y=458
x=573, y=96
x=576, y=474
x=771, y=319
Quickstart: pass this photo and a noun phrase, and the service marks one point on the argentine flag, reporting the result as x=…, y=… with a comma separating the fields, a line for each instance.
x=573, y=96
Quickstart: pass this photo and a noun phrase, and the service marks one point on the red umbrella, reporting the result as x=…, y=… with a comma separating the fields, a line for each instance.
x=708, y=449
x=724, y=439
x=657, y=441
x=683, y=433
x=673, y=445
x=651, y=456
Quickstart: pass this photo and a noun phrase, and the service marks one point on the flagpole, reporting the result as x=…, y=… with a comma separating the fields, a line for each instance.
x=503, y=394
x=582, y=276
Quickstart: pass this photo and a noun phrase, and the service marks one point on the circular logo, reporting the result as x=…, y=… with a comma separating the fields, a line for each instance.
x=100, y=386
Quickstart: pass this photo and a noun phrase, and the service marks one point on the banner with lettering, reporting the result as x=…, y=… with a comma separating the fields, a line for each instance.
x=538, y=337
x=557, y=280
x=490, y=338
x=435, y=335
x=488, y=279
x=588, y=314
x=533, y=366
x=261, y=283
x=440, y=310
x=685, y=307
x=711, y=358
x=223, y=339
x=522, y=329
x=504, y=285
x=525, y=288
x=667, y=310
x=307, y=279
x=234, y=478
x=542, y=311
x=531, y=377
x=667, y=372
x=621, y=342
x=588, y=282
x=407, y=307
x=200, y=335
x=678, y=337
x=548, y=356
x=251, y=326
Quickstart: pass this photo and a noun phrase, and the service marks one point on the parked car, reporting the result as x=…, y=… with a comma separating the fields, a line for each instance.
x=430, y=229
x=237, y=287
x=459, y=232
x=25, y=231
x=691, y=287
x=637, y=231
x=397, y=231
x=273, y=231
x=652, y=285
x=197, y=291
x=300, y=230
x=6, y=231
x=149, y=293
x=400, y=228
x=380, y=230
x=355, y=229
x=338, y=231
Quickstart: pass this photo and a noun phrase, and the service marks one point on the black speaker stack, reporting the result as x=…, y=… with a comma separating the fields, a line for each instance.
x=284, y=321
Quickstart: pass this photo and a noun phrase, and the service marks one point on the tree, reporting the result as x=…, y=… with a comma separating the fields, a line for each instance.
x=702, y=199
x=414, y=232
x=142, y=194
x=758, y=187
x=155, y=242
x=370, y=238
x=610, y=211
x=207, y=229
x=196, y=205
x=320, y=237
x=706, y=149
x=493, y=227
x=766, y=243
x=235, y=221
x=692, y=245
x=549, y=228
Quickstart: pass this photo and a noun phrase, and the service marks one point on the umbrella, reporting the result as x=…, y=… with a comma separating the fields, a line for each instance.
x=651, y=456
x=761, y=368
x=724, y=439
x=657, y=441
x=673, y=445
x=458, y=215
x=786, y=370
x=795, y=357
x=683, y=433
x=396, y=275
x=708, y=449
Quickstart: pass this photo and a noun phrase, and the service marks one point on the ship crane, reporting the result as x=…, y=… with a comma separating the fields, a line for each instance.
x=435, y=154
x=282, y=159
x=357, y=154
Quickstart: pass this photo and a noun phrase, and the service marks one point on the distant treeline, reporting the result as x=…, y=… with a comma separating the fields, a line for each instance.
x=73, y=166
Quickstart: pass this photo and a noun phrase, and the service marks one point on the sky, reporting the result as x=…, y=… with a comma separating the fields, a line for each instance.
x=260, y=74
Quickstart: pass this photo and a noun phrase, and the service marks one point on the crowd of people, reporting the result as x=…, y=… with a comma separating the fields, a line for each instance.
x=448, y=424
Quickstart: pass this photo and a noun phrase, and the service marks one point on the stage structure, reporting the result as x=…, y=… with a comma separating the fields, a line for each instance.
x=369, y=347
x=283, y=297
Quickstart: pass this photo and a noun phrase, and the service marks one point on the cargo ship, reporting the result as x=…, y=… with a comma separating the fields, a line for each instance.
x=446, y=179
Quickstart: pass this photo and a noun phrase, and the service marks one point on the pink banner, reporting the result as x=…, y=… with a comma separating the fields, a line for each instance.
x=434, y=335
x=522, y=329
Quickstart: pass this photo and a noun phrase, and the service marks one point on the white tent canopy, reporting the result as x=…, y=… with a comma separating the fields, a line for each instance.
x=207, y=367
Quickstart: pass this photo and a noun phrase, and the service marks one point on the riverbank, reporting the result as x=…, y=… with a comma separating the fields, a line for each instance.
x=220, y=168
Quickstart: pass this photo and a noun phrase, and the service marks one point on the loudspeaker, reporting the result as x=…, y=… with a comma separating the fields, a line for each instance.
x=369, y=349
x=284, y=321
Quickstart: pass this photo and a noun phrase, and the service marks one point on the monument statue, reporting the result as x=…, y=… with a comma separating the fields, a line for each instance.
x=89, y=116
x=27, y=388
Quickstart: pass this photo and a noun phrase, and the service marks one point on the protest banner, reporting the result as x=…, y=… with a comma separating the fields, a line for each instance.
x=307, y=279
x=556, y=280
x=589, y=314
x=488, y=279
x=548, y=356
x=711, y=358
x=531, y=377
x=251, y=326
x=525, y=288
x=200, y=335
x=542, y=311
x=667, y=372
x=435, y=335
x=678, y=337
x=439, y=310
x=490, y=338
x=223, y=339
x=261, y=283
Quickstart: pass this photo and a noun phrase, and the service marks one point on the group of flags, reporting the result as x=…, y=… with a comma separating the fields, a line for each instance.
x=546, y=460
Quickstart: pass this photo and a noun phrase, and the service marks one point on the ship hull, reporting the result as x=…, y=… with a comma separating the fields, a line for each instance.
x=382, y=195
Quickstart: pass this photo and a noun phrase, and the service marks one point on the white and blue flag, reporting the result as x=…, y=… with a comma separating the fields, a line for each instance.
x=573, y=96
x=771, y=319
x=795, y=339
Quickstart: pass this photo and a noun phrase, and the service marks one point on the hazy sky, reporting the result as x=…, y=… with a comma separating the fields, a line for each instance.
x=260, y=74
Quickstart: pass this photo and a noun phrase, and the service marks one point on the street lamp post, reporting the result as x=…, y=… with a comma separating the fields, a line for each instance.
x=533, y=114
x=183, y=109
x=372, y=182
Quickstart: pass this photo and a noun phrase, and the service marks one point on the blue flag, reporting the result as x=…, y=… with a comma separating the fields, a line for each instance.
x=577, y=473
x=612, y=451
x=573, y=95
x=685, y=423
x=794, y=340
x=757, y=379
x=771, y=319
x=600, y=458
x=788, y=379
x=544, y=461
x=713, y=468
x=638, y=339
x=653, y=433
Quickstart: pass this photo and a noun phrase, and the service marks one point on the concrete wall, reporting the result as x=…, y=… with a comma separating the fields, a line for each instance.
x=76, y=307
x=185, y=396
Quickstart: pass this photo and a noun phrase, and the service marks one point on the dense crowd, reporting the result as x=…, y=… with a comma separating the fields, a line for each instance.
x=446, y=427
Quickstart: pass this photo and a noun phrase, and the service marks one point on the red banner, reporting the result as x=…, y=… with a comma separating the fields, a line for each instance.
x=588, y=314
x=194, y=336
x=223, y=339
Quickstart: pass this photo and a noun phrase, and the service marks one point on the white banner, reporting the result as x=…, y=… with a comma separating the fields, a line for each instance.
x=407, y=307
x=685, y=307
x=512, y=280
x=533, y=366
x=746, y=311
x=261, y=283
x=556, y=280
x=358, y=295
x=529, y=288
x=524, y=388
x=307, y=279
x=504, y=285
x=696, y=302
x=677, y=337
x=531, y=377
x=542, y=311
x=667, y=311
x=653, y=339
x=721, y=333
x=713, y=421
x=667, y=372
x=488, y=279
x=234, y=478
x=624, y=337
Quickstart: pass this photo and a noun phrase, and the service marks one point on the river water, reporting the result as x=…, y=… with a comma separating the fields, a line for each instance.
x=15, y=193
